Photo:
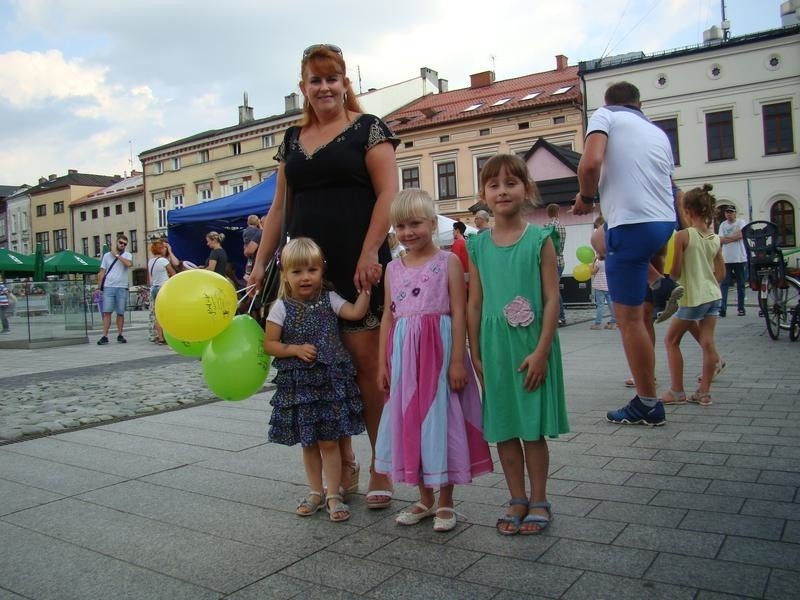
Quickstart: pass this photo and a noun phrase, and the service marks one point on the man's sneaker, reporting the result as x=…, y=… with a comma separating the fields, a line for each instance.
x=742, y=312
x=121, y=340
x=102, y=341
x=636, y=413
x=671, y=306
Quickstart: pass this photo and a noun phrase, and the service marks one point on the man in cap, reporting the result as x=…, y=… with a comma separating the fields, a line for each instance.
x=733, y=252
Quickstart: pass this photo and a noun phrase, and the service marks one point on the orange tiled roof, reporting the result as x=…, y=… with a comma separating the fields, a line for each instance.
x=447, y=107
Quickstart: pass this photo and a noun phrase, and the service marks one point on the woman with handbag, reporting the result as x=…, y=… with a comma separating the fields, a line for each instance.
x=336, y=180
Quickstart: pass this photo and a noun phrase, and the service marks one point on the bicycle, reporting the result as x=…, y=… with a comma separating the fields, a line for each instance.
x=778, y=292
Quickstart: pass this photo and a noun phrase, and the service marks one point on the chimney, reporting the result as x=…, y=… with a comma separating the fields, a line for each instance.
x=444, y=86
x=479, y=80
x=135, y=173
x=561, y=62
x=52, y=177
x=291, y=102
x=790, y=13
x=42, y=180
x=245, y=112
x=72, y=171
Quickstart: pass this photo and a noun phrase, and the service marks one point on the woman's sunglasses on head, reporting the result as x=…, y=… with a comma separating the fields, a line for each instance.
x=314, y=47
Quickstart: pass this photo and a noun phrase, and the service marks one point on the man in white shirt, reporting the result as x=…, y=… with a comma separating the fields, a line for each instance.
x=733, y=252
x=628, y=160
x=112, y=279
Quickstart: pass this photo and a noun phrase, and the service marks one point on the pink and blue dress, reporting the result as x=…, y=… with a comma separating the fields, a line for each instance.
x=428, y=434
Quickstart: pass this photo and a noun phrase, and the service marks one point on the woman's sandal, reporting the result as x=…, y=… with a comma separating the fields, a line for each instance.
x=378, y=498
x=407, y=517
x=542, y=522
x=339, y=508
x=701, y=398
x=510, y=519
x=671, y=397
x=444, y=524
x=306, y=507
x=355, y=473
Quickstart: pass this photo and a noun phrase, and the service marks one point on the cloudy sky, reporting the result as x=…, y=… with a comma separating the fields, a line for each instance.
x=85, y=84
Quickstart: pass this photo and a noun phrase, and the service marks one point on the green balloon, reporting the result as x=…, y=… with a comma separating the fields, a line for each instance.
x=585, y=254
x=186, y=348
x=235, y=365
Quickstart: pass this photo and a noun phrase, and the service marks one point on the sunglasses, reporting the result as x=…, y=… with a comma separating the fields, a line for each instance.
x=314, y=47
x=122, y=243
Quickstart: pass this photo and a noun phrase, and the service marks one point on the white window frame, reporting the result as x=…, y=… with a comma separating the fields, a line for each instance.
x=160, y=210
x=437, y=160
x=268, y=140
x=203, y=156
x=176, y=163
x=176, y=199
x=158, y=167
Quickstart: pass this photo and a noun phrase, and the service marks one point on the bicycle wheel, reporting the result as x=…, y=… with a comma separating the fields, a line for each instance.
x=794, y=324
x=791, y=298
x=770, y=298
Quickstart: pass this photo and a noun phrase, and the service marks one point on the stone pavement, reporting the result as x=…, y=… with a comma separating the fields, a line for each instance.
x=195, y=504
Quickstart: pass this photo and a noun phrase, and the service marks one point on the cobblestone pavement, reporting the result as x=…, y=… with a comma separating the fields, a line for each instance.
x=195, y=504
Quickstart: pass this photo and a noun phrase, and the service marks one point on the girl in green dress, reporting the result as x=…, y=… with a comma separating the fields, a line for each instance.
x=512, y=317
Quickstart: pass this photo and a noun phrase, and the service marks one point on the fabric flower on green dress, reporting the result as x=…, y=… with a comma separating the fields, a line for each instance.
x=518, y=312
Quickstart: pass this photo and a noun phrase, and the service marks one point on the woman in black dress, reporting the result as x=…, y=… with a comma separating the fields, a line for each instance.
x=342, y=176
x=218, y=258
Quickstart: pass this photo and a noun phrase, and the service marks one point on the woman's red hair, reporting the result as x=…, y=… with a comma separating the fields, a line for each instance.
x=327, y=62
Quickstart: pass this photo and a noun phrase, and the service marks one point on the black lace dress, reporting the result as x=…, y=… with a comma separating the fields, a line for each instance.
x=332, y=200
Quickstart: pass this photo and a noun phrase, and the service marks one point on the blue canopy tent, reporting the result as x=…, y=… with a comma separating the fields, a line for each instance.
x=187, y=227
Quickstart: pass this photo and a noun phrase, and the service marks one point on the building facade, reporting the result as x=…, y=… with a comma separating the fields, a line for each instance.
x=103, y=215
x=446, y=139
x=730, y=109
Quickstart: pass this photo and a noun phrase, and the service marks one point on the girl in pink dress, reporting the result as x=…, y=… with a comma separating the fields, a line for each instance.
x=430, y=433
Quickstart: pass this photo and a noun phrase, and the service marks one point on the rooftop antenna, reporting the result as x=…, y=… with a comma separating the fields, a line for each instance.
x=130, y=154
x=491, y=57
x=726, y=25
x=359, y=78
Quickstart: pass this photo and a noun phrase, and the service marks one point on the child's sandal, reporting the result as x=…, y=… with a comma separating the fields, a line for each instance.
x=671, y=397
x=339, y=508
x=701, y=398
x=514, y=520
x=533, y=519
x=306, y=507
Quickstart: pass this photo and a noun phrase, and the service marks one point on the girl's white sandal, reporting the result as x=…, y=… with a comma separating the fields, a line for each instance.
x=406, y=517
x=442, y=524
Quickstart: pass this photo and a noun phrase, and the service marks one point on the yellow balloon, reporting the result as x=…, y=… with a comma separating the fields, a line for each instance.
x=196, y=305
x=670, y=254
x=581, y=272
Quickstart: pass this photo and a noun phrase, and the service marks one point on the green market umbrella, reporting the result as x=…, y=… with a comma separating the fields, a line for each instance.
x=38, y=264
x=68, y=261
x=14, y=262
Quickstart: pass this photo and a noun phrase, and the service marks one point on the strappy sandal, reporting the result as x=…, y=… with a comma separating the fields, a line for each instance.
x=701, y=398
x=306, y=507
x=671, y=397
x=408, y=517
x=718, y=369
x=444, y=524
x=338, y=508
x=542, y=522
x=374, y=498
x=355, y=473
x=514, y=520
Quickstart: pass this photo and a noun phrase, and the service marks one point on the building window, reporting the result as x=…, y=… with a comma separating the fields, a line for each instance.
x=60, y=239
x=560, y=119
x=176, y=163
x=41, y=210
x=131, y=207
x=158, y=167
x=410, y=176
x=408, y=144
x=719, y=135
x=483, y=132
x=108, y=240
x=43, y=238
x=94, y=213
x=479, y=162
x=160, y=209
x=58, y=208
x=670, y=127
x=446, y=178
x=236, y=148
x=444, y=138
x=204, y=192
x=202, y=156
x=133, y=240
x=83, y=215
x=267, y=141
x=177, y=200
x=778, y=136
x=96, y=242
x=523, y=125
x=237, y=187
x=118, y=209
x=782, y=214
x=106, y=211
x=85, y=246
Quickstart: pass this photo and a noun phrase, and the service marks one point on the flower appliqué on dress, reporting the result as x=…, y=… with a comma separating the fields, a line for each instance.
x=518, y=312
x=415, y=292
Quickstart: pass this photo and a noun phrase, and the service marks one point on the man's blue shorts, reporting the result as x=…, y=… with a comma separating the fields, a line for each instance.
x=629, y=249
x=115, y=299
